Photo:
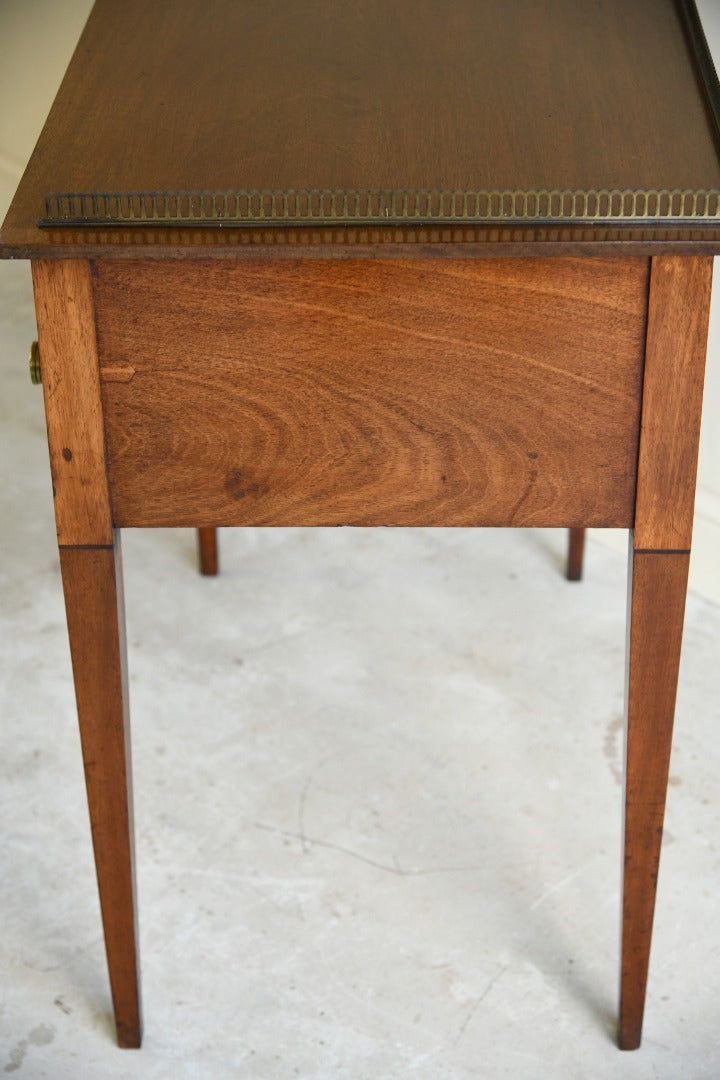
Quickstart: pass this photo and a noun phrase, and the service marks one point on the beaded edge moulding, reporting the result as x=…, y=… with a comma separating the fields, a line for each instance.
x=340, y=207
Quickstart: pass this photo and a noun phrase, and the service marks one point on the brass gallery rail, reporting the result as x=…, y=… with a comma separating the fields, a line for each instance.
x=341, y=207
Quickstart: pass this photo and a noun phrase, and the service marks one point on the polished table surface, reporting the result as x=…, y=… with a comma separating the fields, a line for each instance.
x=386, y=263
x=380, y=96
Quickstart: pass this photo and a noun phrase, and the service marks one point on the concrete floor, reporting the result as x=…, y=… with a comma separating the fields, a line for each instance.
x=377, y=804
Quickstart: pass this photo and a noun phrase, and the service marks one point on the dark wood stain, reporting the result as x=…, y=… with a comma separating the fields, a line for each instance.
x=375, y=94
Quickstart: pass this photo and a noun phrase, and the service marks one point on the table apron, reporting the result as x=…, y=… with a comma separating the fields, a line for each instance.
x=328, y=392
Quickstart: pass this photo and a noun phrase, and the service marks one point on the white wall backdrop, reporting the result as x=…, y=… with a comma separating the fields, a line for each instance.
x=38, y=37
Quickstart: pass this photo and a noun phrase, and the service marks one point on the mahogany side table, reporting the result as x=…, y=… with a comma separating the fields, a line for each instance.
x=389, y=263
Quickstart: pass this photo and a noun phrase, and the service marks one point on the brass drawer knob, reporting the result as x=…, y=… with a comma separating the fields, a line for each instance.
x=35, y=371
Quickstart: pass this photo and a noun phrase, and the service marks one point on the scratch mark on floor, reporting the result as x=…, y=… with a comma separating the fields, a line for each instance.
x=389, y=868
x=301, y=815
x=560, y=884
x=478, y=1003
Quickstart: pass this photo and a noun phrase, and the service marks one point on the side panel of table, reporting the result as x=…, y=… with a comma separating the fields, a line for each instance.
x=418, y=392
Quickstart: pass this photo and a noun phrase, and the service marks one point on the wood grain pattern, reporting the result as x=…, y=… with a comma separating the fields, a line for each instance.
x=380, y=94
x=657, y=588
x=92, y=582
x=409, y=393
x=678, y=312
x=71, y=385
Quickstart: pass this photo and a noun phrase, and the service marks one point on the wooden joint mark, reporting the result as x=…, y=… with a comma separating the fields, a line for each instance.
x=119, y=373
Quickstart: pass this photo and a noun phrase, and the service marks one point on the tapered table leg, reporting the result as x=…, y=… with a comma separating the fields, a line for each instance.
x=207, y=551
x=92, y=582
x=657, y=588
x=678, y=306
x=576, y=551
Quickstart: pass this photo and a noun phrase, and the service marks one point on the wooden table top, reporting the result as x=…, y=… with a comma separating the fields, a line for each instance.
x=401, y=99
